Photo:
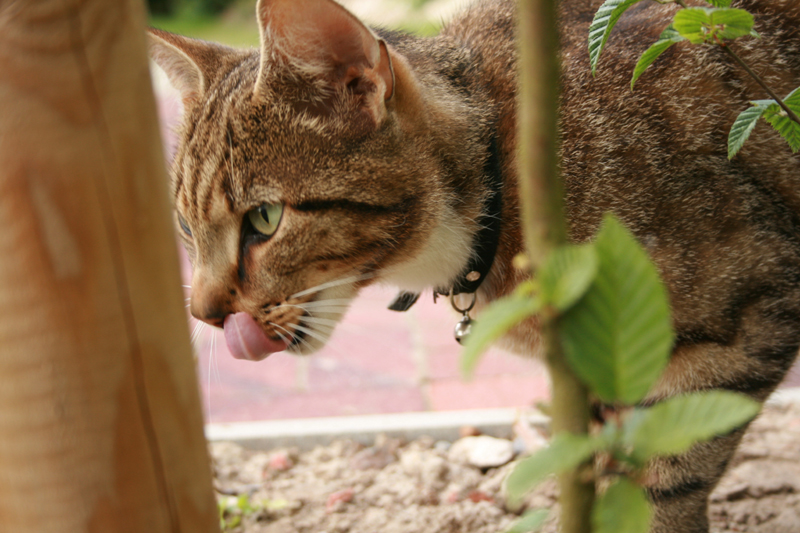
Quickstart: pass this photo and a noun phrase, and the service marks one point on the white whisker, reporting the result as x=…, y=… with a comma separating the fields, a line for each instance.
x=323, y=321
x=310, y=332
x=208, y=381
x=292, y=335
x=283, y=337
x=319, y=337
x=274, y=325
x=296, y=307
x=335, y=283
x=306, y=311
x=322, y=311
x=196, y=332
x=216, y=357
x=330, y=301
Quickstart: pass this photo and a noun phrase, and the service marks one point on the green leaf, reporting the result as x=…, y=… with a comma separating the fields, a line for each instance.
x=693, y=24
x=494, y=322
x=783, y=124
x=744, y=124
x=792, y=100
x=243, y=503
x=720, y=3
x=531, y=521
x=275, y=505
x=604, y=20
x=667, y=38
x=566, y=451
x=674, y=425
x=618, y=337
x=734, y=23
x=623, y=508
x=566, y=275
x=703, y=24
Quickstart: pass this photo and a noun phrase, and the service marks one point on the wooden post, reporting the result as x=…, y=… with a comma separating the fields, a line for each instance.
x=100, y=421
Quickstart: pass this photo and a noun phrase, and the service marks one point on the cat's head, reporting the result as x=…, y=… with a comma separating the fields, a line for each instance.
x=301, y=175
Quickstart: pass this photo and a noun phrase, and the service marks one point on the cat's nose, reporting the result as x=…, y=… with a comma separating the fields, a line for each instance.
x=211, y=303
x=209, y=312
x=213, y=317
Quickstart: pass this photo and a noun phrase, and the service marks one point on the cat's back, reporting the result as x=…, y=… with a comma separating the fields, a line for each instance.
x=657, y=155
x=657, y=143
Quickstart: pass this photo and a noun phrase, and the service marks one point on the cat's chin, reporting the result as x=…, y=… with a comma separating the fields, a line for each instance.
x=246, y=340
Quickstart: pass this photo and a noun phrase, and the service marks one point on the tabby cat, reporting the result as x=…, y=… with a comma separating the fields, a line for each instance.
x=335, y=156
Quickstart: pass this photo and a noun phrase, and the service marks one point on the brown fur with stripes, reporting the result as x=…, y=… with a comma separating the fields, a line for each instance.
x=366, y=180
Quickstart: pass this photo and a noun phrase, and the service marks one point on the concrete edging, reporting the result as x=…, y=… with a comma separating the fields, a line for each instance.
x=787, y=396
x=305, y=433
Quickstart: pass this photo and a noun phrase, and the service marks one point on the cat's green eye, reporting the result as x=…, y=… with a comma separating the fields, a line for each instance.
x=184, y=226
x=265, y=219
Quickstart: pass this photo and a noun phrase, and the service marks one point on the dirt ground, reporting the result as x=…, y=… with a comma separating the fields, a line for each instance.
x=431, y=487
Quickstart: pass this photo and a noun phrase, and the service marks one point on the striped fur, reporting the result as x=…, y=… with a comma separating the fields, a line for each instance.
x=377, y=150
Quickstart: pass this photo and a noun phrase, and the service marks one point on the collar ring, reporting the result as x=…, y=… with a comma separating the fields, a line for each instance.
x=465, y=310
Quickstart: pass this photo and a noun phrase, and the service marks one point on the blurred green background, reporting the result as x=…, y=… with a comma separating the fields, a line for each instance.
x=233, y=21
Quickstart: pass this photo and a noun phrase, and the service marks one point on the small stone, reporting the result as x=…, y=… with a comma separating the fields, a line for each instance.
x=519, y=446
x=482, y=452
x=529, y=439
x=338, y=499
x=372, y=458
x=477, y=496
x=442, y=446
x=280, y=461
x=468, y=431
x=453, y=497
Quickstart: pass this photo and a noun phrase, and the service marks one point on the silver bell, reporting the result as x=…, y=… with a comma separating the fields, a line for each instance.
x=462, y=329
x=465, y=325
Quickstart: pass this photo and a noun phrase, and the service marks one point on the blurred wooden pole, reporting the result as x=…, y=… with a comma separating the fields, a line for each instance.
x=100, y=421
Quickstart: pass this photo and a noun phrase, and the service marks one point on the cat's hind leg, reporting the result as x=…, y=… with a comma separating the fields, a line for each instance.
x=752, y=361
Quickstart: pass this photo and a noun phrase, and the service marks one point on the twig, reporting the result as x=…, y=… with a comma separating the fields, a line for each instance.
x=761, y=82
x=751, y=72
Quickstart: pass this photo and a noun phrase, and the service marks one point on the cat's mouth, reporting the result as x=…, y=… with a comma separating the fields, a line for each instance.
x=300, y=325
x=246, y=338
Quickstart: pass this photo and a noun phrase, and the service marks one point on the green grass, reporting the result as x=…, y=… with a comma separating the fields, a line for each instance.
x=237, y=26
x=233, y=33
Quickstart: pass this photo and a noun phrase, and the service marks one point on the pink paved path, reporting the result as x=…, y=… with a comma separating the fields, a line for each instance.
x=378, y=361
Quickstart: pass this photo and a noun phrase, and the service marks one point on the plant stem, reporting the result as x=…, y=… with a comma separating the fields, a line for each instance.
x=544, y=228
x=752, y=74
x=570, y=412
x=761, y=82
x=541, y=194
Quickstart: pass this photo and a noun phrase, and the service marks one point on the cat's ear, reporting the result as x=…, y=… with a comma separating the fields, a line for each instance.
x=324, y=40
x=188, y=63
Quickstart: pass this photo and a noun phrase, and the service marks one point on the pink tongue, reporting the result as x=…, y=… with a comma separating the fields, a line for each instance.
x=246, y=339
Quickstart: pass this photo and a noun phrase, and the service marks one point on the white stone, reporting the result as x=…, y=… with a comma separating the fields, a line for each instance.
x=482, y=451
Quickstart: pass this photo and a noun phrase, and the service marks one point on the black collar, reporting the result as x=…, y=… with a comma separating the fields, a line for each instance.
x=484, y=244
